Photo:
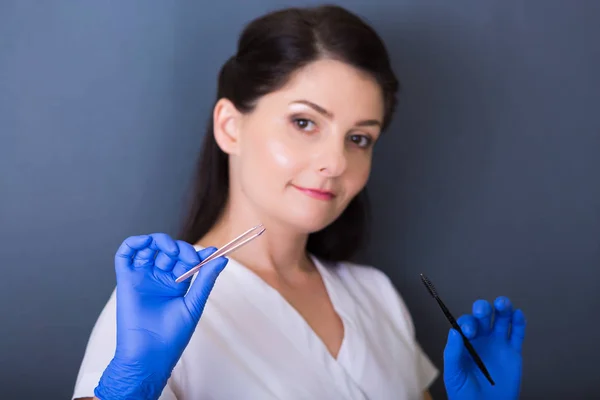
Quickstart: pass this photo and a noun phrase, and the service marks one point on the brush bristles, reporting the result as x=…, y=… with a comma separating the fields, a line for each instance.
x=429, y=285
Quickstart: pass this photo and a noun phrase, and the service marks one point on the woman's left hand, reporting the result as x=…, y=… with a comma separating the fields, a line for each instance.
x=497, y=335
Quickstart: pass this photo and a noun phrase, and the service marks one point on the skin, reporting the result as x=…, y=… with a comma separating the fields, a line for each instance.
x=317, y=132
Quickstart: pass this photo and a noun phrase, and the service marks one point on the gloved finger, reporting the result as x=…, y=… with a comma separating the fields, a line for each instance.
x=165, y=262
x=182, y=268
x=164, y=243
x=204, y=253
x=203, y=285
x=482, y=311
x=166, y=251
x=145, y=257
x=517, y=332
x=128, y=249
x=188, y=257
x=468, y=324
x=454, y=360
x=187, y=253
x=503, y=316
x=147, y=253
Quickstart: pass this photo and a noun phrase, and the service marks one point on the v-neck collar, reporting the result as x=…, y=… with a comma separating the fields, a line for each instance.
x=282, y=311
x=295, y=328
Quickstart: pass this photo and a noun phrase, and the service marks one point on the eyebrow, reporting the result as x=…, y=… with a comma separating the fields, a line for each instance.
x=329, y=114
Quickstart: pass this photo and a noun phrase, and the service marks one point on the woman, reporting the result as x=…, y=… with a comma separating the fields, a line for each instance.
x=299, y=109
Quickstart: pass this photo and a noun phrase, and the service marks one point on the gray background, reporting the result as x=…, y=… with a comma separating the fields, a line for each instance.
x=488, y=180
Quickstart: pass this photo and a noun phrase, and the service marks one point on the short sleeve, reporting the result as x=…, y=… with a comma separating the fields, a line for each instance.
x=99, y=352
x=426, y=370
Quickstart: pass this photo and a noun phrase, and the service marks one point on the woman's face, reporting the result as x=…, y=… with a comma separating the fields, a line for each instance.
x=305, y=150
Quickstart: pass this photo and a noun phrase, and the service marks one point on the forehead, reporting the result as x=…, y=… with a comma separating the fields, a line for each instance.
x=335, y=86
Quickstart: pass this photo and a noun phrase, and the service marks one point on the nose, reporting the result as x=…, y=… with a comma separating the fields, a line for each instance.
x=332, y=160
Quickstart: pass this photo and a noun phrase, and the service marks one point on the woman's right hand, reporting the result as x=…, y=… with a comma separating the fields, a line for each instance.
x=156, y=316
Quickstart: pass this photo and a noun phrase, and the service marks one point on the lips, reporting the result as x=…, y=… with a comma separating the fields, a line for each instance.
x=316, y=193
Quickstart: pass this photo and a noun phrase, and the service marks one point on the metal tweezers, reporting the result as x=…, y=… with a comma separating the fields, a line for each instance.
x=236, y=243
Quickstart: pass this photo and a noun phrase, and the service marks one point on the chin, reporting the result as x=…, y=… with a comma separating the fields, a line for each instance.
x=299, y=214
x=309, y=222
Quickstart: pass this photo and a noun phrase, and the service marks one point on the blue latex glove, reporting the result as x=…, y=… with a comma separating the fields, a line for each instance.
x=155, y=316
x=499, y=350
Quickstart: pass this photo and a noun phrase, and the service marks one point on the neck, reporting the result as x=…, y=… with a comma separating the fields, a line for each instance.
x=278, y=250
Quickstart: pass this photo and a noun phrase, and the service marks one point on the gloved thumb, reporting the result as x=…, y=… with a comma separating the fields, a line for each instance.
x=454, y=360
x=201, y=287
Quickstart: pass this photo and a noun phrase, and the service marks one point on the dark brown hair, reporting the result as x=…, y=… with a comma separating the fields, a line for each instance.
x=269, y=50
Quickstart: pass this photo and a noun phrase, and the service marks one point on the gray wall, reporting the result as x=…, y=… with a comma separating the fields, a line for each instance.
x=495, y=152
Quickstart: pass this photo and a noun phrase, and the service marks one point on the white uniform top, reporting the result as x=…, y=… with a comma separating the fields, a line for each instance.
x=252, y=344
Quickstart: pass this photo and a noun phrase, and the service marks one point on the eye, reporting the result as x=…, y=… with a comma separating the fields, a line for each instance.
x=361, y=141
x=304, y=124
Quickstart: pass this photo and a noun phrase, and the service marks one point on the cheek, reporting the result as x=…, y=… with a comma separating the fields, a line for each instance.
x=272, y=160
x=358, y=176
x=280, y=155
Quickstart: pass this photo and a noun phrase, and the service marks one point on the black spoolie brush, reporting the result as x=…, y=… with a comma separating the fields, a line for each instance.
x=455, y=325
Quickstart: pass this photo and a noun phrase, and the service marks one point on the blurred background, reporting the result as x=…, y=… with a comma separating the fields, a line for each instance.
x=488, y=180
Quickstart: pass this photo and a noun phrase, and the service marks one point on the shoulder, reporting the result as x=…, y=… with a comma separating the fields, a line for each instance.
x=371, y=284
x=99, y=350
x=363, y=272
x=367, y=277
x=376, y=294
